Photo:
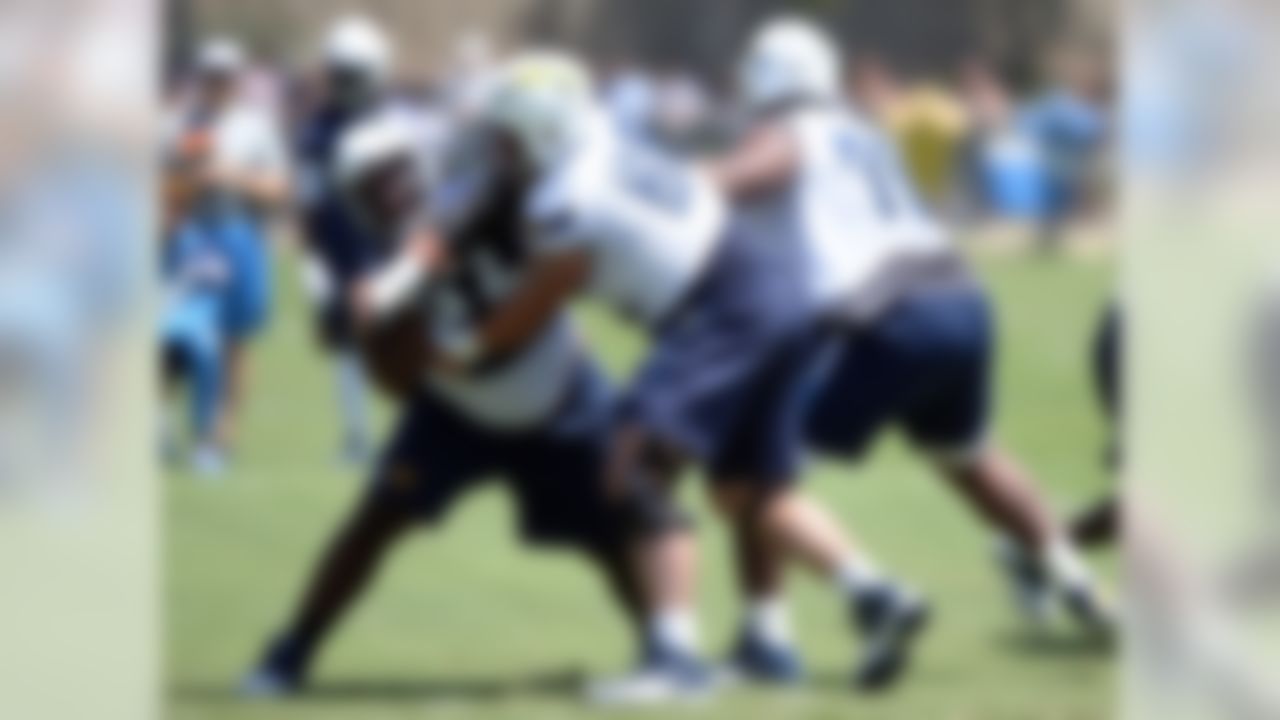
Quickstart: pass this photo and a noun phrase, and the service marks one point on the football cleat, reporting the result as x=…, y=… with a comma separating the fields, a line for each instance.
x=755, y=660
x=1029, y=584
x=664, y=677
x=890, y=620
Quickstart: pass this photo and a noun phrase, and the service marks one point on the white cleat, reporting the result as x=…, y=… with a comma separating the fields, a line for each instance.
x=1029, y=584
x=1090, y=610
x=676, y=681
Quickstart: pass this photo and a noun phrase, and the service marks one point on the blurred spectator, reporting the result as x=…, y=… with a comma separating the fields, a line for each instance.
x=930, y=125
x=196, y=274
x=1039, y=161
x=1068, y=125
x=244, y=174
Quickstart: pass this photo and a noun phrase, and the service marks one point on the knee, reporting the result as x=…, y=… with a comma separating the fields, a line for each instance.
x=645, y=510
x=641, y=484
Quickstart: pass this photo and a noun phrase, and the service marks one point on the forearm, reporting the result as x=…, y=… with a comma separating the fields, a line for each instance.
x=766, y=160
x=524, y=315
x=390, y=287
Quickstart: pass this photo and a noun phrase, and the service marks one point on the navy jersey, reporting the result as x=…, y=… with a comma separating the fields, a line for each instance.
x=332, y=232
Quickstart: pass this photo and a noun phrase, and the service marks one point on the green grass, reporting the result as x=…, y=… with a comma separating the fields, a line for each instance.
x=463, y=623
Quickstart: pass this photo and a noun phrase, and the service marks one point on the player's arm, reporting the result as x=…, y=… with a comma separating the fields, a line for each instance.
x=551, y=282
x=767, y=159
x=387, y=289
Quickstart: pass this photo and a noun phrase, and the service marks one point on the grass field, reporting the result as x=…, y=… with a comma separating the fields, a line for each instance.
x=464, y=624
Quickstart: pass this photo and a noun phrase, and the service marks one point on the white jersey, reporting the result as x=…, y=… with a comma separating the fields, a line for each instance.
x=523, y=393
x=851, y=206
x=650, y=222
x=245, y=138
x=525, y=389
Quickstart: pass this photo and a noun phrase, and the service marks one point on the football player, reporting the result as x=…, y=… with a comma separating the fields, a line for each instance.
x=356, y=65
x=916, y=336
x=535, y=416
x=735, y=353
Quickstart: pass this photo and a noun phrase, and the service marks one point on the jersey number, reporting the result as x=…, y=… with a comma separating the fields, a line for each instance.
x=657, y=181
x=874, y=164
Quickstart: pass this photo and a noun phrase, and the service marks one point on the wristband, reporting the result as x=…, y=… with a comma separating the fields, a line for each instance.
x=393, y=286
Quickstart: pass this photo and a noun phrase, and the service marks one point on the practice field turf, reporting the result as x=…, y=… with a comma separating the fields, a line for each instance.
x=464, y=624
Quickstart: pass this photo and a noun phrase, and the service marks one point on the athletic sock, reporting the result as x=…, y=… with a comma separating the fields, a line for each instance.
x=856, y=576
x=674, y=630
x=769, y=620
x=1066, y=566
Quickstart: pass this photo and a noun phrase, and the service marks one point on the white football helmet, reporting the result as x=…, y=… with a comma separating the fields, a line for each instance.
x=356, y=43
x=221, y=56
x=373, y=144
x=790, y=59
x=544, y=99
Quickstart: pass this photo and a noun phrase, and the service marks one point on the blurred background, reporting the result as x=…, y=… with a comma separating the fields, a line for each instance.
x=1004, y=111
x=1003, y=108
x=135, y=589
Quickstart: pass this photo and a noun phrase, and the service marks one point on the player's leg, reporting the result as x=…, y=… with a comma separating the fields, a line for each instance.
x=172, y=370
x=556, y=474
x=341, y=575
x=642, y=476
x=205, y=368
x=351, y=387
x=431, y=460
x=236, y=370
x=755, y=470
x=1099, y=523
x=1036, y=548
x=948, y=335
x=782, y=524
x=661, y=560
x=245, y=313
x=353, y=405
x=613, y=562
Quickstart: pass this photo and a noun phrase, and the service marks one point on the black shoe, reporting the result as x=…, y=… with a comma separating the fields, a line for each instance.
x=281, y=673
x=755, y=660
x=890, y=619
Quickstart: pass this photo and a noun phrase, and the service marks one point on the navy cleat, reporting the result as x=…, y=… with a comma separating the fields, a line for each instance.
x=758, y=661
x=281, y=673
x=890, y=620
x=664, y=677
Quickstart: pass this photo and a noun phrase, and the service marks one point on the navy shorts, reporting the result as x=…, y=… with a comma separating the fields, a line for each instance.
x=554, y=471
x=731, y=373
x=925, y=365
